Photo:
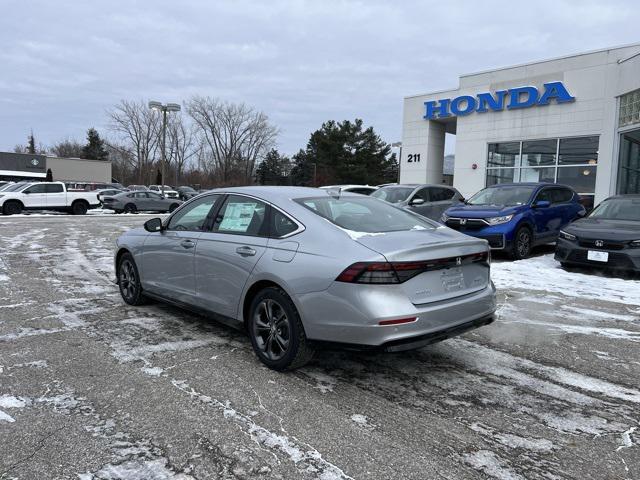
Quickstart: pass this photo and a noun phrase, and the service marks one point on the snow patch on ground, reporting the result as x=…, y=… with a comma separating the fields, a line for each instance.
x=153, y=371
x=489, y=463
x=139, y=469
x=325, y=383
x=125, y=353
x=8, y=401
x=510, y=440
x=5, y=417
x=544, y=274
x=627, y=442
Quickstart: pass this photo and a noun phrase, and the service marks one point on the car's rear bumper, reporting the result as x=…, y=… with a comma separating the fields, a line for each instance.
x=571, y=253
x=337, y=316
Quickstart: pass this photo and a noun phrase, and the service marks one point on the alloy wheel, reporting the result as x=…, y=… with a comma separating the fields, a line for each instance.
x=271, y=329
x=524, y=243
x=128, y=280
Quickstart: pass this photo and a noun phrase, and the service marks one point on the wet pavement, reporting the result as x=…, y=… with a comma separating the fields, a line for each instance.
x=91, y=388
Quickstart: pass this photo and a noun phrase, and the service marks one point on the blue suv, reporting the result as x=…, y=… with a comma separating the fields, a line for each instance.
x=515, y=217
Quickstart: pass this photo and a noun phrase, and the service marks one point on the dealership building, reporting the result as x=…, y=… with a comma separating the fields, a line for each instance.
x=22, y=166
x=573, y=120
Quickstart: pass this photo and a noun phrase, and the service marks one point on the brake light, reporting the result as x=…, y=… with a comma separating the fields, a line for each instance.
x=384, y=273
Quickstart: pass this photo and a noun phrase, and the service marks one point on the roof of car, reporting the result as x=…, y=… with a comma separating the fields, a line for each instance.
x=530, y=184
x=415, y=185
x=279, y=192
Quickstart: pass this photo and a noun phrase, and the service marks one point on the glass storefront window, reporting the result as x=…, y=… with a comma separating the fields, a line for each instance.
x=578, y=151
x=539, y=152
x=629, y=109
x=544, y=174
x=581, y=179
x=504, y=154
x=629, y=161
x=501, y=175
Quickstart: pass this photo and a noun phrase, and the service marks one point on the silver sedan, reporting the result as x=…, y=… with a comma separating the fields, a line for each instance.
x=300, y=267
x=132, y=202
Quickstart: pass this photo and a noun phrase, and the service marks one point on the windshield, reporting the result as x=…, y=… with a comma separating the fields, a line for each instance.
x=364, y=214
x=393, y=194
x=618, y=209
x=15, y=187
x=503, y=196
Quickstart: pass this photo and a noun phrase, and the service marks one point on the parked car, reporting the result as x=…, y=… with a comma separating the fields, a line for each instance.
x=515, y=217
x=294, y=266
x=5, y=185
x=361, y=189
x=609, y=237
x=427, y=200
x=185, y=192
x=131, y=202
x=108, y=192
x=45, y=196
x=169, y=192
x=135, y=188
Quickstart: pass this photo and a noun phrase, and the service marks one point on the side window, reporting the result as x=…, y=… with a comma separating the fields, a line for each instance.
x=423, y=193
x=242, y=215
x=54, y=188
x=361, y=191
x=545, y=195
x=155, y=196
x=562, y=195
x=193, y=217
x=282, y=225
x=38, y=188
x=141, y=195
x=441, y=194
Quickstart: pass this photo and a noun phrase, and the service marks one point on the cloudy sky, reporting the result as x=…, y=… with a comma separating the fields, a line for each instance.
x=64, y=63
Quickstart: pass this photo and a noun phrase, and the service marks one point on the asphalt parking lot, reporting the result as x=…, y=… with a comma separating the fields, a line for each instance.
x=93, y=389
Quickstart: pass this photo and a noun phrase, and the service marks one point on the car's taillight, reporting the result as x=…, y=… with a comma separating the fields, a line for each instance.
x=399, y=272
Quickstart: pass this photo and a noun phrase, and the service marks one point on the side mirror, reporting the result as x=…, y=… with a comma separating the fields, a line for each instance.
x=153, y=225
x=542, y=204
x=462, y=200
x=416, y=201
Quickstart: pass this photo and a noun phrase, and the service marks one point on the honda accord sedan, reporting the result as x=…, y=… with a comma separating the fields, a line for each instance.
x=297, y=268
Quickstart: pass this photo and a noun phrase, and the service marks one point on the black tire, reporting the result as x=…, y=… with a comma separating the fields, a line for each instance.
x=129, y=281
x=130, y=208
x=522, y=243
x=276, y=331
x=12, y=207
x=172, y=207
x=79, y=207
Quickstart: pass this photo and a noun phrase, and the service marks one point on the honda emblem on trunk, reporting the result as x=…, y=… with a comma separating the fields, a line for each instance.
x=599, y=243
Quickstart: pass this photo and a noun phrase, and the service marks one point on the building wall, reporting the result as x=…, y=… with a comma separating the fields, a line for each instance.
x=79, y=169
x=594, y=79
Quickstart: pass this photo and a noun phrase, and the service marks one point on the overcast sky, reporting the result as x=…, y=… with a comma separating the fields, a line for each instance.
x=64, y=63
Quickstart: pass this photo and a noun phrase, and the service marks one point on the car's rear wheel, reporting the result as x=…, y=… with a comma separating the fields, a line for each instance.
x=130, y=208
x=276, y=331
x=129, y=281
x=521, y=243
x=79, y=208
x=12, y=208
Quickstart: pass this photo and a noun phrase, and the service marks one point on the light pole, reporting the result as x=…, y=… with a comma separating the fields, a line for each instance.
x=398, y=145
x=164, y=108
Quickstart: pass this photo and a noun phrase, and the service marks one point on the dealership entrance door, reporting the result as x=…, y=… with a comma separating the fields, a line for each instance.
x=629, y=162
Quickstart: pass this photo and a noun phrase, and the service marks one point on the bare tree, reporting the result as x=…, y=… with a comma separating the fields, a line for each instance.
x=182, y=144
x=67, y=148
x=236, y=136
x=139, y=129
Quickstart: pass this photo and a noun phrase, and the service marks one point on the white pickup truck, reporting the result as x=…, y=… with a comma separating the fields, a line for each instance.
x=45, y=196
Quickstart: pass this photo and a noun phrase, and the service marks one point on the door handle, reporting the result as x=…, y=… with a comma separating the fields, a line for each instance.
x=188, y=244
x=245, y=251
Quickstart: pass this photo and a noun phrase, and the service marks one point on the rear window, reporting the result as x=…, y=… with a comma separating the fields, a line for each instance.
x=364, y=214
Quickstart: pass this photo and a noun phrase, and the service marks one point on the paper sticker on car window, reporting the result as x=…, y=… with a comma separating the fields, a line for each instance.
x=237, y=217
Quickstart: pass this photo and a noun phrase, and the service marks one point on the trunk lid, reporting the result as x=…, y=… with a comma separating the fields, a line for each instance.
x=459, y=276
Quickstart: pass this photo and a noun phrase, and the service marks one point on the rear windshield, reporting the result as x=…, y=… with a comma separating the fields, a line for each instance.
x=618, y=209
x=364, y=214
x=393, y=194
x=503, y=196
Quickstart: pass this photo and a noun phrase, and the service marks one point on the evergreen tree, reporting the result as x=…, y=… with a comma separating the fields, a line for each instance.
x=344, y=152
x=31, y=144
x=274, y=169
x=94, y=149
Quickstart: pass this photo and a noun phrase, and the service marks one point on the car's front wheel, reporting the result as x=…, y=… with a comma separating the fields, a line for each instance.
x=522, y=243
x=129, y=281
x=276, y=331
x=130, y=208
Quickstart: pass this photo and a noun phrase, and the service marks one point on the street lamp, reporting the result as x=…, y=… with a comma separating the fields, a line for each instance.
x=398, y=145
x=164, y=108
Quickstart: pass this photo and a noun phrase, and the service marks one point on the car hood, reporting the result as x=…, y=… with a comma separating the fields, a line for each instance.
x=604, y=229
x=483, y=211
x=441, y=242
